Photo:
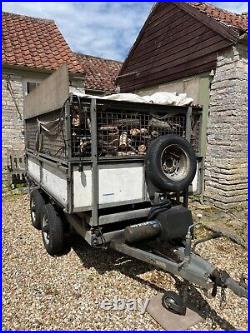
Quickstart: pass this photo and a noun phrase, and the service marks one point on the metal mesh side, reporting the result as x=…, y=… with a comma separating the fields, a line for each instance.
x=48, y=136
x=121, y=132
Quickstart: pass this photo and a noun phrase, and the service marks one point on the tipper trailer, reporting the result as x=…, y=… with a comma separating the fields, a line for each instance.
x=118, y=173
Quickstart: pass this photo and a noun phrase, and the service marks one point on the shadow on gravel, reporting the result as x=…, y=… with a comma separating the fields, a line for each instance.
x=109, y=260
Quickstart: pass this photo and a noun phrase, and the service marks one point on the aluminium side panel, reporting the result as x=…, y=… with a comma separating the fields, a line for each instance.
x=54, y=181
x=50, y=178
x=33, y=169
x=119, y=184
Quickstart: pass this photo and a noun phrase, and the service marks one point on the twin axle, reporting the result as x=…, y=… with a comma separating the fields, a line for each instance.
x=118, y=173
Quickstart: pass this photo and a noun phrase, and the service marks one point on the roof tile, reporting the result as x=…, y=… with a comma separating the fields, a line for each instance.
x=100, y=73
x=24, y=40
x=238, y=21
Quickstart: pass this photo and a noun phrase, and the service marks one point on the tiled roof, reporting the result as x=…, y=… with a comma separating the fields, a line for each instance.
x=35, y=43
x=239, y=21
x=100, y=73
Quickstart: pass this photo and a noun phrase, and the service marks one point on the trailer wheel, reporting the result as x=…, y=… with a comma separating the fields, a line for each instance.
x=37, y=204
x=52, y=231
x=173, y=302
x=171, y=163
x=66, y=246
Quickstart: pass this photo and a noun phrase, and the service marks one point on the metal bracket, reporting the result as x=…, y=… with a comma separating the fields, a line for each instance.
x=94, y=160
x=189, y=123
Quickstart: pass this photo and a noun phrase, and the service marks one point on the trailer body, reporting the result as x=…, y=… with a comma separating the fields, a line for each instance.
x=80, y=180
x=89, y=163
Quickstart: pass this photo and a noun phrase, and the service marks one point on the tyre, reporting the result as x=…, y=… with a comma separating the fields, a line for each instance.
x=53, y=231
x=37, y=204
x=67, y=241
x=170, y=163
x=174, y=303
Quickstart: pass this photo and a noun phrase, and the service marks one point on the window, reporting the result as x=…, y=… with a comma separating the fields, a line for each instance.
x=31, y=86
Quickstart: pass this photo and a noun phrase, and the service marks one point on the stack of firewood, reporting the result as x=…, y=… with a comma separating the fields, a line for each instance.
x=120, y=137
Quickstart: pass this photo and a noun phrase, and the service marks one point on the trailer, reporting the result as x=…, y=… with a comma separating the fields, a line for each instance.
x=118, y=173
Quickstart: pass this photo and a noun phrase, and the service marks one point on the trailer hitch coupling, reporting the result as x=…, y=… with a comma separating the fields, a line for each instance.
x=222, y=279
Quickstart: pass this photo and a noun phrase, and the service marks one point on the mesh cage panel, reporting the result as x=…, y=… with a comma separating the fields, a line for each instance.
x=124, y=133
x=120, y=132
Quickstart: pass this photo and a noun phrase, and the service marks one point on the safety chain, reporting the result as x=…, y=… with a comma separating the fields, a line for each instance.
x=214, y=326
x=212, y=317
x=222, y=305
x=223, y=298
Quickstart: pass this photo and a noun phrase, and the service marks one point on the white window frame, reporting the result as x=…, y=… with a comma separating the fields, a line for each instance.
x=25, y=84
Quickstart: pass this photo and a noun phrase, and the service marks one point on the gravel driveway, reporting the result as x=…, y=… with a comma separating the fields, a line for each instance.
x=41, y=292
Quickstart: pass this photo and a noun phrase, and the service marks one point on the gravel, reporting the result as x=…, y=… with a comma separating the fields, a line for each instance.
x=45, y=293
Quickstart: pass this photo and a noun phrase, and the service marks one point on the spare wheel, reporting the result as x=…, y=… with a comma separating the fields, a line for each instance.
x=170, y=163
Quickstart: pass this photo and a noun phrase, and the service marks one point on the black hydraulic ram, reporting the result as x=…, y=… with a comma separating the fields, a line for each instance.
x=166, y=225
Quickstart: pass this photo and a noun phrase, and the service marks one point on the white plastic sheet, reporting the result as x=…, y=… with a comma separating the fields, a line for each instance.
x=164, y=98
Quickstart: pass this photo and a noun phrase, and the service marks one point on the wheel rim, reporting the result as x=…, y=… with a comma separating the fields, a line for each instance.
x=45, y=229
x=175, y=163
x=33, y=210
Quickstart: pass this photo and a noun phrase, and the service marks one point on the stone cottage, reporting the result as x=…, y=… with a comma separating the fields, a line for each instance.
x=202, y=50
x=32, y=48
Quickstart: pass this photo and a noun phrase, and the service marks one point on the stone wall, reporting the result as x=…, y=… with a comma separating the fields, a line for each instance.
x=12, y=114
x=226, y=158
